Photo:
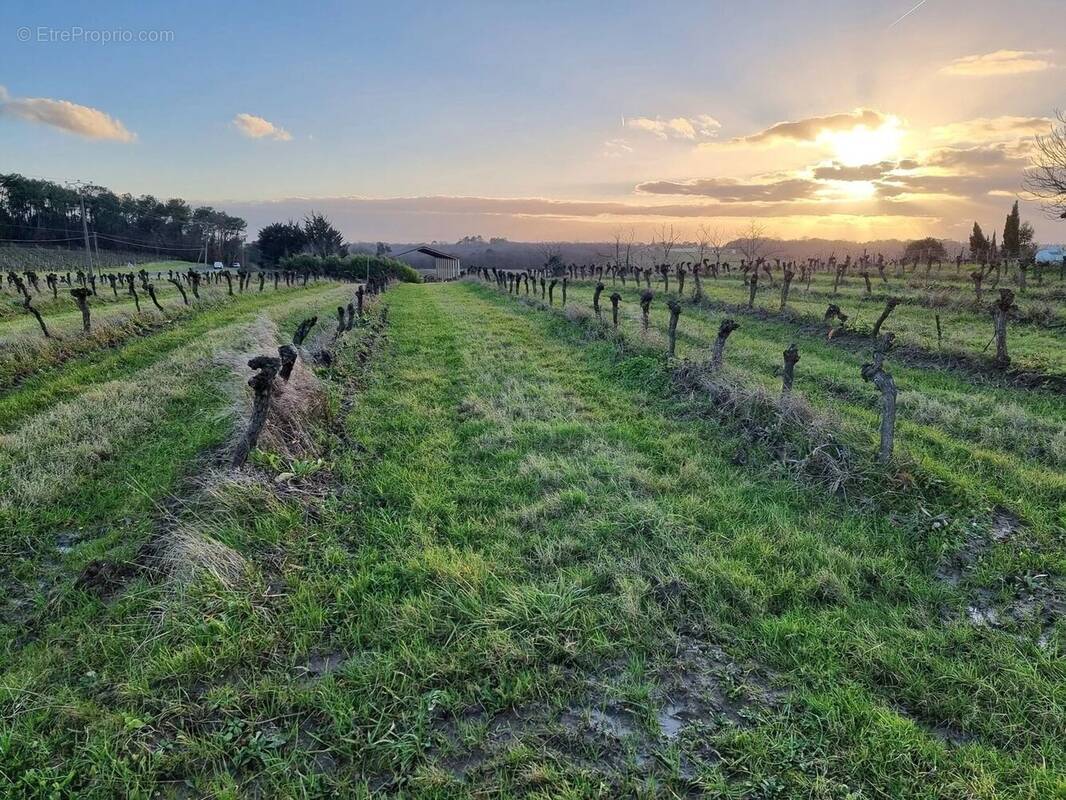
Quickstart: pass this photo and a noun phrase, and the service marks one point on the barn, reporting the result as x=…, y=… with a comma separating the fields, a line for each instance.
x=445, y=267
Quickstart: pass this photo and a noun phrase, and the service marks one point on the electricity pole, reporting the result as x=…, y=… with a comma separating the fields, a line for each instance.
x=85, y=232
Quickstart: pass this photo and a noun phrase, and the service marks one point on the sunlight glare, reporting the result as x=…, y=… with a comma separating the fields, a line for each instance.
x=863, y=145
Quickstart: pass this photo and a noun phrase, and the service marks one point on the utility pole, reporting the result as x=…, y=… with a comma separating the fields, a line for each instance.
x=85, y=232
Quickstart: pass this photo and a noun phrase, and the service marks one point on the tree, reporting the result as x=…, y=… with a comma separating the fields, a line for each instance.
x=666, y=238
x=383, y=249
x=978, y=243
x=1012, y=230
x=703, y=242
x=322, y=237
x=1045, y=177
x=924, y=249
x=752, y=241
x=1027, y=246
x=280, y=239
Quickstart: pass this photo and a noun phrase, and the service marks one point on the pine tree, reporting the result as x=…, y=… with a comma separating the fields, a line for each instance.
x=1012, y=233
x=978, y=243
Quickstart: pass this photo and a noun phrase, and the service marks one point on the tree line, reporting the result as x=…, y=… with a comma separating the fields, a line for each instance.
x=44, y=213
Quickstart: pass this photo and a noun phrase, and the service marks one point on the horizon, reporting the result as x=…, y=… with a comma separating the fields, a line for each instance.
x=429, y=124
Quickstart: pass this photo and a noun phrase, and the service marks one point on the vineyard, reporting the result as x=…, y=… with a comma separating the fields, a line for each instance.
x=782, y=531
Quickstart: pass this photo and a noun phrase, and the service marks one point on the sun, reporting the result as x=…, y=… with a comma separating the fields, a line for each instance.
x=864, y=145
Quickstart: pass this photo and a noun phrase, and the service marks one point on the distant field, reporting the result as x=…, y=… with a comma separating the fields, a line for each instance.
x=497, y=548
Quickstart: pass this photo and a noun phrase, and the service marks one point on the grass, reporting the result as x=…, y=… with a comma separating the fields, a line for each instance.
x=529, y=566
x=1037, y=338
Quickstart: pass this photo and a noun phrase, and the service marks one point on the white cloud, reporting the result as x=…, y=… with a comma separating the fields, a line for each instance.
x=616, y=148
x=258, y=128
x=92, y=123
x=992, y=129
x=1001, y=62
x=692, y=128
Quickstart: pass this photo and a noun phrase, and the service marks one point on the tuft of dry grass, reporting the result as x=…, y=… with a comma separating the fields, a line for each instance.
x=187, y=555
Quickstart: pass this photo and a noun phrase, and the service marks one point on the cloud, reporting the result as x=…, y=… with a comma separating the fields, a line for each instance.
x=1000, y=154
x=991, y=129
x=92, y=123
x=728, y=190
x=1001, y=62
x=866, y=172
x=809, y=129
x=462, y=212
x=616, y=148
x=691, y=128
x=258, y=128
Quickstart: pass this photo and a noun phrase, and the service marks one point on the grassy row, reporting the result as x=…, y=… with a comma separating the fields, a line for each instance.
x=47, y=387
x=1010, y=450
x=519, y=527
x=964, y=329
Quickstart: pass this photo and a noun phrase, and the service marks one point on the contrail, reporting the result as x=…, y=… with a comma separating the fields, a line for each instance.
x=898, y=21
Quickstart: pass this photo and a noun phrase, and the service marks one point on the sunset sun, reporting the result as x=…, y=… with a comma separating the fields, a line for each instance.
x=863, y=144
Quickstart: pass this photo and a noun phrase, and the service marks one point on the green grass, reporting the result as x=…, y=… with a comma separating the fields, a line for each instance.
x=1038, y=344
x=525, y=546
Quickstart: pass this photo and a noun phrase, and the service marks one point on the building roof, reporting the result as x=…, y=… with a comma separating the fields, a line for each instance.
x=429, y=251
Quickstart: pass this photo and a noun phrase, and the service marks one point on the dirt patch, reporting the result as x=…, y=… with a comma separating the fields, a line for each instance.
x=1022, y=601
x=700, y=692
x=321, y=664
x=980, y=537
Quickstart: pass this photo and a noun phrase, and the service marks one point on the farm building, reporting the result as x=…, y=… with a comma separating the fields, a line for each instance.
x=437, y=265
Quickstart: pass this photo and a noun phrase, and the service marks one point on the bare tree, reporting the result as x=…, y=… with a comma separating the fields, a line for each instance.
x=753, y=241
x=1045, y=177
x=703, y=242
x=628, y=240
x=666, y=239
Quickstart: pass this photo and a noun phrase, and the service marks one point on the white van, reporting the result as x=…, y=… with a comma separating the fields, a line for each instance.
x=1051, y=255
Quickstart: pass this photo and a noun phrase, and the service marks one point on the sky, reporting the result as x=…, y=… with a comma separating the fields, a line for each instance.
x=419, y=121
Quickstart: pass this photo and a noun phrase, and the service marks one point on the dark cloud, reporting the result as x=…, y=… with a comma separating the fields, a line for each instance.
x=985, y=156
x=728, y=190
x=867, y=172
x=807, y=130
